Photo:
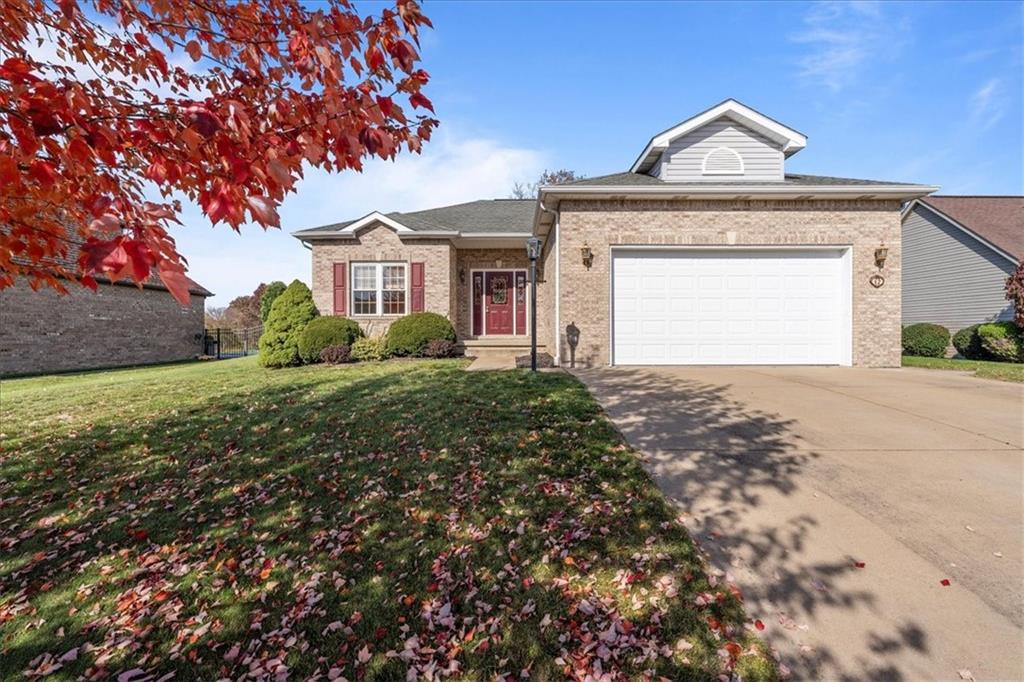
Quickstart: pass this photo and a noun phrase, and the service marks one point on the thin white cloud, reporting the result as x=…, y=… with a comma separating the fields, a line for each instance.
x=842, y=39
x=988, y=104
x=452, y=169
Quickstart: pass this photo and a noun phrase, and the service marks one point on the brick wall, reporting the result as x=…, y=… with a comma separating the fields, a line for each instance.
x=864, y=225
x=443, y=294
x=381, y=243
x=42, y=332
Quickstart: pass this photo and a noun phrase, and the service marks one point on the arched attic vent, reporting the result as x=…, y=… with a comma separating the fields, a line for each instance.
x=722, y=161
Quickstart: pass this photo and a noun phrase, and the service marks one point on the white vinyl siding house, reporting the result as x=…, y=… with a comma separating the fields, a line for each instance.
x=696, y=156
x=950, y=277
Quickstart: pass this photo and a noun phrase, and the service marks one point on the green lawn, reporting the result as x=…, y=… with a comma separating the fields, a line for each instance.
x=1004, y=371
x=358, y=522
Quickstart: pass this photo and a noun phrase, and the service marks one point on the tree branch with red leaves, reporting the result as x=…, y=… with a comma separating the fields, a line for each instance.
x=105, y=104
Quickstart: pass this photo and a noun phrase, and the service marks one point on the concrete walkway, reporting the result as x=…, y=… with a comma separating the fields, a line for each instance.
x=492, y=360
x=792, y=477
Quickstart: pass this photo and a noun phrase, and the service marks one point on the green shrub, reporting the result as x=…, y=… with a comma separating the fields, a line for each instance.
x=370, y=349
x=411, y=334
x=439, y=348
x=326, y=331
x=1002, y=341
x=267, y=298
x=925, y=340
x=336, y=355
x=968, y=344
x=291, y=312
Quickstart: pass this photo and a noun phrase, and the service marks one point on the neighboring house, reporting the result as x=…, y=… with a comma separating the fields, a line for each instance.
x=704, y=252
x=957, y=253
x=119, y=324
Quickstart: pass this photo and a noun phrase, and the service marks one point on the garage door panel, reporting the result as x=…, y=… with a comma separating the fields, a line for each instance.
x=728, y=307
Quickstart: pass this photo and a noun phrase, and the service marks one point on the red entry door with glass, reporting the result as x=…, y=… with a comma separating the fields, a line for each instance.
x=499, y=302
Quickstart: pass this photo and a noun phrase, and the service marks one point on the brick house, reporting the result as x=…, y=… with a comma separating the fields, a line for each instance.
x=118, y=325
x=704, y=252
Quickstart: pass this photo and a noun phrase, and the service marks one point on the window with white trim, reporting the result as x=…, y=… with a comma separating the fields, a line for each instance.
x=379, y=288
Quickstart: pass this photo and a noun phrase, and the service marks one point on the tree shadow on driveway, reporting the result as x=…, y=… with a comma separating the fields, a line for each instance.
x=726, y=466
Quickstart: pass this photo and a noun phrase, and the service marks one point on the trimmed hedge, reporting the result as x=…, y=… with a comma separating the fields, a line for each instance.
x=925, y=340
x=336, y=355
x=968, y=344
x=326, y=331
x=370, y=349
x=411, y=334
x=1002, y=341
x=289, y=315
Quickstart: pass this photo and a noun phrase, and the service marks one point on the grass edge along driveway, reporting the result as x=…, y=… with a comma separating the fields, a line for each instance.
x=983, y=369
x=380, y=521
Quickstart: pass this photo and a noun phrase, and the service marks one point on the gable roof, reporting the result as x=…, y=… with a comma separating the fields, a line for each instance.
x=484, y=217
x=791, y=141
x=997, y=220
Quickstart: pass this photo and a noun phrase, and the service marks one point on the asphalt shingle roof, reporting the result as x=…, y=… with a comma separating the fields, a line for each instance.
x=485, y=216
x=639, y=179
x=504, y=216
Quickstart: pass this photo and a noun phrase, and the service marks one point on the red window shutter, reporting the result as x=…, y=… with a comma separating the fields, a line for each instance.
x=340, y=291
x=417, y=287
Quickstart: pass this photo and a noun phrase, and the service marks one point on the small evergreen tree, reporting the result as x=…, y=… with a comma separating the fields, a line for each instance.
x=289, y=315
x=269, y=295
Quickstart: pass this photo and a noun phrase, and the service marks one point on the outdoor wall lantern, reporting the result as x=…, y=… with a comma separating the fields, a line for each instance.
x=533, y=245
x=588, y=256
x=462, y=275
x=880, y=255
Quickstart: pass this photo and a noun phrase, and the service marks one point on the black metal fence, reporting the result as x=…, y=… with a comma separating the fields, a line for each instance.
x=231, y=343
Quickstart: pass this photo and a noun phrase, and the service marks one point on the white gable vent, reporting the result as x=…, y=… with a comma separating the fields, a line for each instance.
x=722, y=161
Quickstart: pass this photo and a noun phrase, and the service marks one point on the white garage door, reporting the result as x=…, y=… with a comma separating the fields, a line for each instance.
x=730, y=307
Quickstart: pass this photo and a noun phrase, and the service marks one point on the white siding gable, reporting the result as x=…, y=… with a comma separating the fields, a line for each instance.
x=722, y=150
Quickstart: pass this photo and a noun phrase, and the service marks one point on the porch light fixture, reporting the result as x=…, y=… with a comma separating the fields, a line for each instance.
x=533, y=245
x=588, y=256
x=880, y=255
x=462, y=275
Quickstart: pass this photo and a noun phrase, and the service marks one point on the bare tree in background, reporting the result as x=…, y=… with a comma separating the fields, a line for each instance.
x=528, y=190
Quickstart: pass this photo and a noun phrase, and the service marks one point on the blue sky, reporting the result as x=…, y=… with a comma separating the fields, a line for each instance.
x=916, y=92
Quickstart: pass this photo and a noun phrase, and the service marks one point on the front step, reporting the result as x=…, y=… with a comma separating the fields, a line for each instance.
x=507, y=345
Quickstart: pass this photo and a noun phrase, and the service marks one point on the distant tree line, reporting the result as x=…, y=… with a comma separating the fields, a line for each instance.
x=528, y=190
x=246, y=311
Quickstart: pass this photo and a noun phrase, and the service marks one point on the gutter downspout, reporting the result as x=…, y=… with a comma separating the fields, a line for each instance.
x=558, y=281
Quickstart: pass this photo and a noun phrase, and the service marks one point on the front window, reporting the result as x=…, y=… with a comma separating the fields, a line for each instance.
x=378, y=288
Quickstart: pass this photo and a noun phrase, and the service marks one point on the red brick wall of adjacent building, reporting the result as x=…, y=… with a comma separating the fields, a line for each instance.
x=43, y=332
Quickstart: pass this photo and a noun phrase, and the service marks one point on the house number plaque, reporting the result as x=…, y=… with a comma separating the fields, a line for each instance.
x=876, y=281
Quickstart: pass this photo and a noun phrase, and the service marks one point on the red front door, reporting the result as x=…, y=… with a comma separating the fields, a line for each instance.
x=499, y=302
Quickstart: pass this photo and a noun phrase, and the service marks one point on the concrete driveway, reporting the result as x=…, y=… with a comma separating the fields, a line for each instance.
x=790, y=477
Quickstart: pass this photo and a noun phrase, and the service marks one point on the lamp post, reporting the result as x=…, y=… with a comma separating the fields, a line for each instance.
x=533, y=253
